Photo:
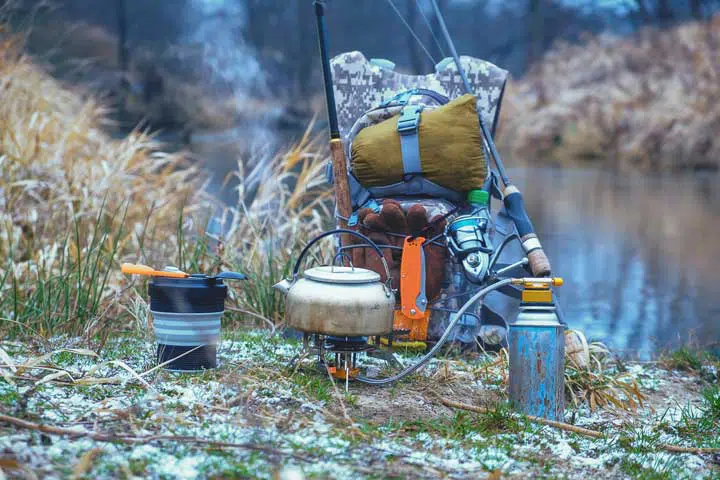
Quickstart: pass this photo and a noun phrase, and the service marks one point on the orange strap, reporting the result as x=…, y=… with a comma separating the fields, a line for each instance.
x=412, y=278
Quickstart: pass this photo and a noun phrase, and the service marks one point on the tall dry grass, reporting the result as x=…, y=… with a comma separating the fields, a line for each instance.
x=648, y=102
x=72, y=200
x=289, y=203
x=75, y=203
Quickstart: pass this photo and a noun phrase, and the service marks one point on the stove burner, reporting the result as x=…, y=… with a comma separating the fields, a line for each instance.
x=347, y=344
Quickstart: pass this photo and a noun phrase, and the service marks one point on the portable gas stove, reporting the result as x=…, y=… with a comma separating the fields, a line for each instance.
x=344, y=352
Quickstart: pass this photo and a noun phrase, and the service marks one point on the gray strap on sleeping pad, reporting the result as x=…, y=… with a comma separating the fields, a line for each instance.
x=408, y=127
x=359, y=195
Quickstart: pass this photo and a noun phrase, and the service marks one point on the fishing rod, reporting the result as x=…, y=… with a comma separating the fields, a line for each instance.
x=337, y=151
x=512, y=198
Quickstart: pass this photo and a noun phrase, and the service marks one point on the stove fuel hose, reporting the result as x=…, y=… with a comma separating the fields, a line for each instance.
x=428, y=356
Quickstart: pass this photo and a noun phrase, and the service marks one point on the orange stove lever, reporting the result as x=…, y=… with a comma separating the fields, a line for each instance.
x=413, y=300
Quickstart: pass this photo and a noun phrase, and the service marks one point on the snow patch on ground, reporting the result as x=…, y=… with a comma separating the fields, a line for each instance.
x=253, y=399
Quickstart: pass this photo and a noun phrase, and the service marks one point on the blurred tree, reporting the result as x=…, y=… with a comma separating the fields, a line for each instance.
x=511, y=33
x=695, y=8
x=664, y=12
x=121, y=9
x=262, y=21
x=305, y=47
x=416, y=60
x=535, y=27
x=435, y=28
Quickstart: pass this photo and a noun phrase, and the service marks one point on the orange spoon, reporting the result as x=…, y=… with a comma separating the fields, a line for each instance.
x=138, y=269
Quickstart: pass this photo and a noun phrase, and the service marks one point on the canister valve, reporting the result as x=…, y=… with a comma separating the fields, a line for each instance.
x=537, y=290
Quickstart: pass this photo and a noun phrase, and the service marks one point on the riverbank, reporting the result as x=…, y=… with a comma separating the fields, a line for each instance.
x=648, y=102
x=80, y=392
x=256, y=417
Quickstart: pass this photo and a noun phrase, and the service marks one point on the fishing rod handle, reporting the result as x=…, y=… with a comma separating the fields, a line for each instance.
x=341, y=184
x=515, y=207
x=337, y=151
x=539, y=262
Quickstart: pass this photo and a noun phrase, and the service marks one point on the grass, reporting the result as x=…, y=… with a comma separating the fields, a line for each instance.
x=593, y=378
x=76, y=203
x=249, y=398
x=597, y=381
x=701, y=423
x=684, y=358
x=313, y=385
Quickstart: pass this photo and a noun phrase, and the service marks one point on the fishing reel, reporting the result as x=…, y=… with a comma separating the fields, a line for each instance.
x=468, y=239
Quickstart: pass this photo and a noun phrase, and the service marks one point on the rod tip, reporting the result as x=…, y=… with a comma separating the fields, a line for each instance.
x=319, y=7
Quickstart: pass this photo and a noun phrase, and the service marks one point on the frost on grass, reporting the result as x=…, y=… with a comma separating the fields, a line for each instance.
x=300, y=419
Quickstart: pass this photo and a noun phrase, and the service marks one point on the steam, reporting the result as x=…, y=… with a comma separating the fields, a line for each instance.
x=231, y=67
x=216, y=27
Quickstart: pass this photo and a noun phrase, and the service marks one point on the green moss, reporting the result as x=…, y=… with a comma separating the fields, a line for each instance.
x=138, y=466
x=250, y=466
x=654, y=467
x=9, y=395
x=636, y=470
x=313, y=384
x=461, y=425
x=350, y=400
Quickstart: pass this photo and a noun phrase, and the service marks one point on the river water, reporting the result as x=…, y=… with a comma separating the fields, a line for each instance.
x=638, y=253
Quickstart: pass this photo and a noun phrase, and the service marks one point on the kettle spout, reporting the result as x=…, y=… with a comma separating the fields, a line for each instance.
x=283, y=286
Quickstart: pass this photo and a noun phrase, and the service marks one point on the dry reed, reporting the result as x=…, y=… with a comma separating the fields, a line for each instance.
x=648, y=102
x=75, y=202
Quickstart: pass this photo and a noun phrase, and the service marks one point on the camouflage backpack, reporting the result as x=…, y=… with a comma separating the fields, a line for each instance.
x=370, y=92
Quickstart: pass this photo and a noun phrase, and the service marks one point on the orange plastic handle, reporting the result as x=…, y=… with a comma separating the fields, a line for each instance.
x=138, y=269
x=413, y=301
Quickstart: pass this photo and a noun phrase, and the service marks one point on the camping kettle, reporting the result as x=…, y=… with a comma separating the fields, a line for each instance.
x=338, y=300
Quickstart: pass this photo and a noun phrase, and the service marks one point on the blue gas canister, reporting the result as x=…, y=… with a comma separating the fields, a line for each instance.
x=536, y=343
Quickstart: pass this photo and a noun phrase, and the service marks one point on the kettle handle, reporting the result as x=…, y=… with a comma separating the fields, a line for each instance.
x=372, y=244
